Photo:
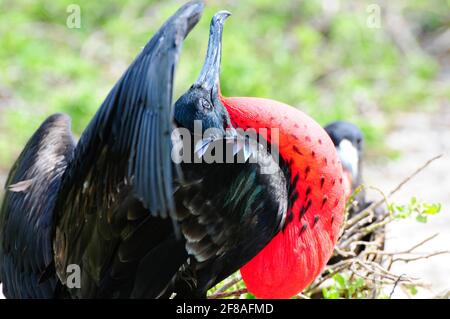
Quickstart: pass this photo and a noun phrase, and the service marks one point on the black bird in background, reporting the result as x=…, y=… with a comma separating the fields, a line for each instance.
x=116, y=205
x=349, y=142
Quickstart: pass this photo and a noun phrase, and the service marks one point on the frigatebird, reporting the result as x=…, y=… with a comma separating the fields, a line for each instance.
x=349, y=142
x=141, y=225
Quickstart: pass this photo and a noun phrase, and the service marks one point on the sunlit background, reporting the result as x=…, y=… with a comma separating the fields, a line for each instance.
x=384, y=65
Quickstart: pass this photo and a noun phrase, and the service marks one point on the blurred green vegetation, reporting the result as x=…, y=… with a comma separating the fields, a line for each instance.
x=317, y=56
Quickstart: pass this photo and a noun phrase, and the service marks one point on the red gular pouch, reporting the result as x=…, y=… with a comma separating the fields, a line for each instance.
x=298, y=253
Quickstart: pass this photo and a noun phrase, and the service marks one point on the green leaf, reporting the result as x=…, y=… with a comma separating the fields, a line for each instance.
x=421, y=218
x=325, y=293
x=413, y=290
x=431, y=209
x=342, y=282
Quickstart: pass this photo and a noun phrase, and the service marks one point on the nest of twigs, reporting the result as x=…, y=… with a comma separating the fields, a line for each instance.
x=360, y=266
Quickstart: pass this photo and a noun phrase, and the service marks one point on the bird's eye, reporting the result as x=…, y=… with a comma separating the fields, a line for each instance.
x=205, y=104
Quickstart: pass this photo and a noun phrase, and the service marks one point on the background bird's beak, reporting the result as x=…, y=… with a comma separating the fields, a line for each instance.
x=210, y=75
x=349, y=157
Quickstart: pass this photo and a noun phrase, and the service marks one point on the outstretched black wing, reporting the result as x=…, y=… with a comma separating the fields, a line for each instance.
x=122, y=173
x=26, y=256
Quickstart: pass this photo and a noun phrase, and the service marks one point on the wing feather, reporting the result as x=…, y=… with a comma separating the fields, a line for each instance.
x=27, y=212
x=122, y=167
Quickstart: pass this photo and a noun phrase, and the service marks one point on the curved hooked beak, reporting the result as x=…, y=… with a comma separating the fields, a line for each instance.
x=210, y=75
x=209, y=79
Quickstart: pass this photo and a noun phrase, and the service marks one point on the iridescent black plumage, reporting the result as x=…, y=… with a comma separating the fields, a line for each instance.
x=115, y=206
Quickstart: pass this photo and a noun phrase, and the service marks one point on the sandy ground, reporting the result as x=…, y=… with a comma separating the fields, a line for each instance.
x=418, y=137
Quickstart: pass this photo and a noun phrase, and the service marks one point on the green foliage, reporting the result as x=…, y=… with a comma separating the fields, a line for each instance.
x=345, y=287
x=412, y=290
x=332, y=66
x=421, y=210
x=352, y=197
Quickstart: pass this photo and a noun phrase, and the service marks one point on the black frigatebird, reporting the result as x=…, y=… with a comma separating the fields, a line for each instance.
x=349, y=142
x=140, y=225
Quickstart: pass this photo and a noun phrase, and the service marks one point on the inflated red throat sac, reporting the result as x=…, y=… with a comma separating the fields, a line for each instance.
x=298, y=253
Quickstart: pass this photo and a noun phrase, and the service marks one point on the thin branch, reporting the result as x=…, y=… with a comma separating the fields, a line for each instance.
x=235, y=293
x=422, y=243
x=410, y=250
x=395, y=285
x=227, y=285
x=407, y=260
x=408, y=178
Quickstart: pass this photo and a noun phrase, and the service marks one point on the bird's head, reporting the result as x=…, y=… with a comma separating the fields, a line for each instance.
x=348, y=140
x=202, y=101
